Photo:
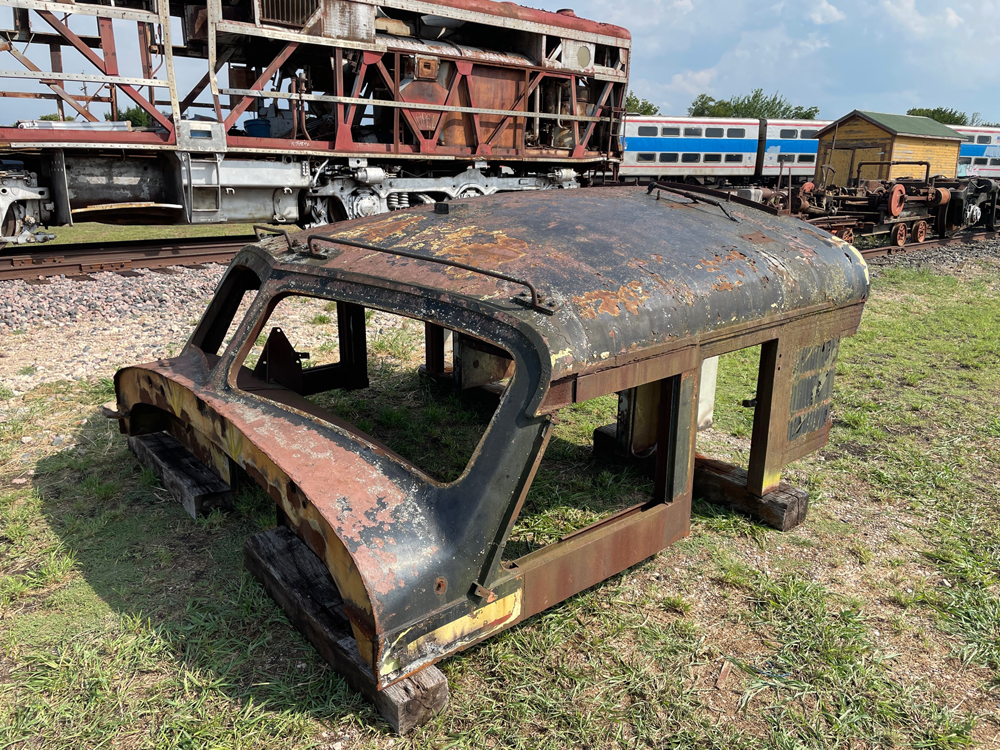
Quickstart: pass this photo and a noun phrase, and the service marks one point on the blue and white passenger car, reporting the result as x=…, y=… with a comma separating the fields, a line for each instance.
x=980, y=154
x=790, y=146
x=678, y=147
x=715, y=150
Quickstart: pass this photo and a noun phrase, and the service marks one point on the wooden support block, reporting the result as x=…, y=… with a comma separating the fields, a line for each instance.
x=302, y=586
x=721, y=484
x=195, y=486
x=724, y=484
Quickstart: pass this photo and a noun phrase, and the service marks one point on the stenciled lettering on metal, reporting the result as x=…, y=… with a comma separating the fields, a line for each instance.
x=645, y=289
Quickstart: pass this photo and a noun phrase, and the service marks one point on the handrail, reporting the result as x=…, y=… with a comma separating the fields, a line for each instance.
x=258, y=228
x=690, y=196
x=536, y=304
x=925, y=164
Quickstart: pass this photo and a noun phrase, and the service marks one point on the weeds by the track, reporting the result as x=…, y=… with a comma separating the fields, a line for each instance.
x=876, y=624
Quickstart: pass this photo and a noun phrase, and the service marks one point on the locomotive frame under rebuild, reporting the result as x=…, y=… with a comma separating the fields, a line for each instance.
x=349, y=108
x=904, y=210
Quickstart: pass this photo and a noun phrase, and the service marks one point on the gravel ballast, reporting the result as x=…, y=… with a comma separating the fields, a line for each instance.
x=72, y=329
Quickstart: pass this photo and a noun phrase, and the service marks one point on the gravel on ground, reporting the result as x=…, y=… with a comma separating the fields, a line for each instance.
x=71, y=329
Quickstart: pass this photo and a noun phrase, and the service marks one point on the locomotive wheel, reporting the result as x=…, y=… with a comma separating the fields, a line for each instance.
x=8, y=227
x=919, y=232
x=897, y=235
x=847, y=235
x=897, y=199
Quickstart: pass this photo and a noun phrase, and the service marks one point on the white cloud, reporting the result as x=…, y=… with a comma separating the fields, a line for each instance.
x=952, y=18
x=693, y=82
x=904, y=13
x=825, y=13
x=683, y=6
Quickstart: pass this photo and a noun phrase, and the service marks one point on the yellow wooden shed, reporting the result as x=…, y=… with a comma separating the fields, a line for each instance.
x=864, y=142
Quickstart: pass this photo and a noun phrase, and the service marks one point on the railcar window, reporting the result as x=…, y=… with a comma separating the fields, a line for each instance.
x=645, y=157
x=970, y=138
x=736, y=133
x=734, y=158
x=692, y=132
x=980, y=162
x=646, y=131
x=786, y=158
x=984, y=139
x=669, y=158
x=715, y=132
x=995, y=162
x=713, y=158
x=691, y=158
x=807, y=158
x=965, y=160
x=809, y=134
x=670, y=132
x=791, y=134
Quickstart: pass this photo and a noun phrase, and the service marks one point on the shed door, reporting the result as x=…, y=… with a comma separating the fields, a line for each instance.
x=846, y=161
x=874, y=172
x=842, y=161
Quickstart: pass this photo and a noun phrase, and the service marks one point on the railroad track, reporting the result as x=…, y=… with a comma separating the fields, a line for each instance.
x=960, y=239
x=92, y=257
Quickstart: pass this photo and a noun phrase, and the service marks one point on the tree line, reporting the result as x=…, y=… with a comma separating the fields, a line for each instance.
x=774, y=106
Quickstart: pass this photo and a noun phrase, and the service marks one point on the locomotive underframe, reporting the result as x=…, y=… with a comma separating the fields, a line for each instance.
x=385, y=105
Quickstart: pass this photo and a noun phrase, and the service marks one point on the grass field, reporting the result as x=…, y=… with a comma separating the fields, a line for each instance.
x=876, y=624
x=92, y=232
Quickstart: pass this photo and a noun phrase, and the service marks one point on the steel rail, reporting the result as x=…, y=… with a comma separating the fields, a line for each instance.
x=94, y=257
x=959, y=239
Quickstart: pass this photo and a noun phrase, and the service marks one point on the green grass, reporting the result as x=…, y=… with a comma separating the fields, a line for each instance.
x=874, y=625
x=92, y=232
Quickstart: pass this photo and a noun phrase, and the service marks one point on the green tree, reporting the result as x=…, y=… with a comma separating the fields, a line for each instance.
x=945, y=115
x=136, y=115
x=56, y=118
x=635, y=105
x=755, y=104
x=949, y=116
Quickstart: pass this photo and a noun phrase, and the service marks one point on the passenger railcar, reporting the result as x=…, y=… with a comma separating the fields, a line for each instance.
x=680, y=147
x=790, y=146
x=297, y=111
x=719, y=150
x=980, y=154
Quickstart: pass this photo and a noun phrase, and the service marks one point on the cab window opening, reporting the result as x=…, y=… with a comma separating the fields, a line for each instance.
x=370, y=372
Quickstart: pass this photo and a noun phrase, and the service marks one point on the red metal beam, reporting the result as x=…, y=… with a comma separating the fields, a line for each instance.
x=59, y=90
x=108, y=65
x=259, y=84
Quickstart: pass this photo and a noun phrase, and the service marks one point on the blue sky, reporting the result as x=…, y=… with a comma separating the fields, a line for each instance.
x=840, y=55
x=883, y=55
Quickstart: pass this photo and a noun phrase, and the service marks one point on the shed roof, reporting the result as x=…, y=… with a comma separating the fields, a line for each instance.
x=909, y=125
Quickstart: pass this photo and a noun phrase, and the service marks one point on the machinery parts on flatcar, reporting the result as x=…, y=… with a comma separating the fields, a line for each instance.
x=897, y=235
x=897, y=200
x=919, y=232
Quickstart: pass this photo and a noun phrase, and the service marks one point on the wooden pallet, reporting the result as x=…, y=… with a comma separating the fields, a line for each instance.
x=302, y=586
x=199, y=489
x=299, y=583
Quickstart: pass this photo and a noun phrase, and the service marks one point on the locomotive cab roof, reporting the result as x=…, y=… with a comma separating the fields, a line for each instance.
x=562, y=297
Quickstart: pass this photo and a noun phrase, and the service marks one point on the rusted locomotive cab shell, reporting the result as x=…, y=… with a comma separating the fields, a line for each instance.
x=632, y=289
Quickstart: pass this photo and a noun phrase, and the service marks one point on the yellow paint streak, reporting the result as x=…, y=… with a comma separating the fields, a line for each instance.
x=455, y=634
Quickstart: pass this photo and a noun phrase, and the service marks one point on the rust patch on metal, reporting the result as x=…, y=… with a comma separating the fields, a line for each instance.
x=628, y=298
